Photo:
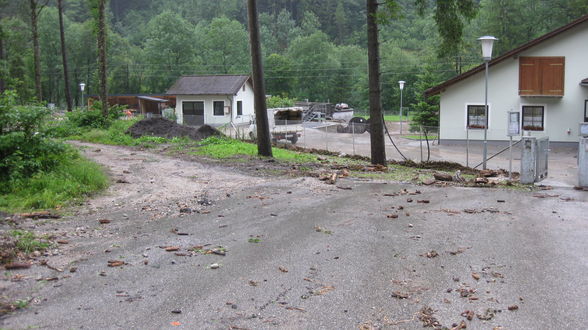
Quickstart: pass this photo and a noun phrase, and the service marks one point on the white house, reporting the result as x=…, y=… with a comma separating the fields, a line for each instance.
x=213, y=100
x=545, y=80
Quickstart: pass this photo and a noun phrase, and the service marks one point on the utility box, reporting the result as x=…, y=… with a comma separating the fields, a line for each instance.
x=534, y=159
x=583, y=162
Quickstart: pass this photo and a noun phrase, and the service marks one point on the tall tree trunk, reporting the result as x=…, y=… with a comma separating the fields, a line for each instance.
x=36, y=48
x=264, y=145
x=102, y=56
x=2, y=59
x=64, y=56
x=378, y=144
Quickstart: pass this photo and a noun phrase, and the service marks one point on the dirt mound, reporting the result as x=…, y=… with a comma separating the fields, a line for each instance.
x=169, y=129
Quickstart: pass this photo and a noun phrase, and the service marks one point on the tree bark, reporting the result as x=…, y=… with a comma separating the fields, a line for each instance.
x=36, y=49
x=2, y=59
x=64, y=56
x=102, y=56
x=264, y=146
x=378, y=144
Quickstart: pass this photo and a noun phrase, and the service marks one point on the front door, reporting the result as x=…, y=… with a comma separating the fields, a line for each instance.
x=193, y=113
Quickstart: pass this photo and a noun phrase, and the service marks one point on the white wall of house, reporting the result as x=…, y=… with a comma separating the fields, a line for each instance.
x=245, y=95
x=561, y=113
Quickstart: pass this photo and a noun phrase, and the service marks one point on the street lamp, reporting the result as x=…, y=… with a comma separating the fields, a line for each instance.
x=401, y=83
x=487, y=43
x=82, y=87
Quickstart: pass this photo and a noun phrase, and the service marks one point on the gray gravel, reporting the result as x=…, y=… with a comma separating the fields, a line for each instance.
x=325, y=258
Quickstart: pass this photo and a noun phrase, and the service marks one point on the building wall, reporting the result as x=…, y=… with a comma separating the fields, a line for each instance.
x=230, y=100
x=561, y=114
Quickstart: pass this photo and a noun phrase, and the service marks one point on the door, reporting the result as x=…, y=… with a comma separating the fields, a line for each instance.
x=193, y=113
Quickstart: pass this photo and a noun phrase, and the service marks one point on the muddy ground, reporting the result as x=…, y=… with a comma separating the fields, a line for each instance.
x=202, y=244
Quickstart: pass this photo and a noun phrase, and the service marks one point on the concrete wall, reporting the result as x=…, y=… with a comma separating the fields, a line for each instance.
x=561, y=113
x=245, y=95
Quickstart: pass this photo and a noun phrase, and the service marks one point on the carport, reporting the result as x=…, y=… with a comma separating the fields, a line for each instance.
x=150, y=106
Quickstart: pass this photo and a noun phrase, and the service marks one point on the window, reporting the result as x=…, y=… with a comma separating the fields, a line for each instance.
x=193, y=108
x=219, y=108
x=244, y=87
x=533, y=118
x=586, y=111
x=476, y=117
x=541, y=76
x=239, y=108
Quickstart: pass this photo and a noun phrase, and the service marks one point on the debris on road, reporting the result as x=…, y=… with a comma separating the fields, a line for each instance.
x=214, y=266
x=476, y=276
x=283, y=269
x=400, y=295
x=17, y=265
x=320, y=229
x=468, y=315
x=443, y=177
x=488, y=314
x=40, y=215
x=426, y=315
x=115, y=263
x=104, y=221
x=513, y=308
x=431, y=254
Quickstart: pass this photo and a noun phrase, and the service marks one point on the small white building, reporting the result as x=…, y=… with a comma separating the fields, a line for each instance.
x=214, y=100
x=545, y=80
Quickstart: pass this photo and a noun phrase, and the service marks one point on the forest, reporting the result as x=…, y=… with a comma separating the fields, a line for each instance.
x=312, y=49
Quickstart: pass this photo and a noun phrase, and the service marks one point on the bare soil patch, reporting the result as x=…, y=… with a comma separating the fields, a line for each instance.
x=169, y=129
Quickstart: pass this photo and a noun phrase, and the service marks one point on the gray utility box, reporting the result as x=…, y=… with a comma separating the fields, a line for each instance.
x=534, y=159
x=583, y=162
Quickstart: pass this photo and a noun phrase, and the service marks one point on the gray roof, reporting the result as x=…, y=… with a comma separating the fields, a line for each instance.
x=208, y=85
x=154, y=99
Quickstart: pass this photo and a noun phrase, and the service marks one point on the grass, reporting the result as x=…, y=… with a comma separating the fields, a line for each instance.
x=393, y=118
x=28, y=242
x=420, y=137
x=74, y=179
x=225, y=148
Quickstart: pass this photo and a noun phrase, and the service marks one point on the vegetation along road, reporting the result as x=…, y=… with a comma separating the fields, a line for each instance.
x=212, y=244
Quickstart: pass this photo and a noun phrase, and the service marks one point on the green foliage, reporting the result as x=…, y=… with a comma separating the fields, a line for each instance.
x=279, y=102
x=73, y=179
x=37, y=172
x=24, y=150
x=226, y=148
x=28, y=242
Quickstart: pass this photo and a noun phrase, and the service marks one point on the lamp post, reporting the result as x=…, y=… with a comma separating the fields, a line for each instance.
x=487, y=43
x=401, y=83
x=82, y=87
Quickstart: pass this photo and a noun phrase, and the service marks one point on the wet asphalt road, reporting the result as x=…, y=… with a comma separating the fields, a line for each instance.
x=527, y=251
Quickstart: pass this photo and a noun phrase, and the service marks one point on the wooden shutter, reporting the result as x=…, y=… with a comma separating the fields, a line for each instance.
x=541, y=76
x=529, y=83
x=552, y=71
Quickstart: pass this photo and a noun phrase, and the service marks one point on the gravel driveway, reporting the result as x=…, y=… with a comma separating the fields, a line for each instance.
x=197, y=246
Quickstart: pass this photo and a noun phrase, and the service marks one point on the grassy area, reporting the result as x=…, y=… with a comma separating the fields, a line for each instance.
x=28, y=242
x=223, y=148
x=420, y=137
x=74, y=179
x=394, y=118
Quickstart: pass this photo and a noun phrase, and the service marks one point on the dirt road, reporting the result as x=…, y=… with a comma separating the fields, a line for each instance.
x=202, y=246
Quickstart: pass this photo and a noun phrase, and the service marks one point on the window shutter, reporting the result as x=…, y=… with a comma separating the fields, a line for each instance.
x=541, y=76
x=529, y=83
x=552, y=70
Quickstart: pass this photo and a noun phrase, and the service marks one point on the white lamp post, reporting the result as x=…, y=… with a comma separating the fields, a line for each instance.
x=401, y=83
x=82, y=87
x=487, y=44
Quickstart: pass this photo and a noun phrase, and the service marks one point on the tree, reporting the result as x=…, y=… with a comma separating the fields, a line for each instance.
x=264, y=145
x=64, y=56
x=449, y=16
x=101, y=33
x=36, y=7
x=378, y=144
x=223, y=43
x=278, y=68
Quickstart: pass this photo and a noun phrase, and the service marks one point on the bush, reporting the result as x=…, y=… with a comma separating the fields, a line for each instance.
x=93, y=116
x=37, y=172
x=24, y=148
x=279, y=102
